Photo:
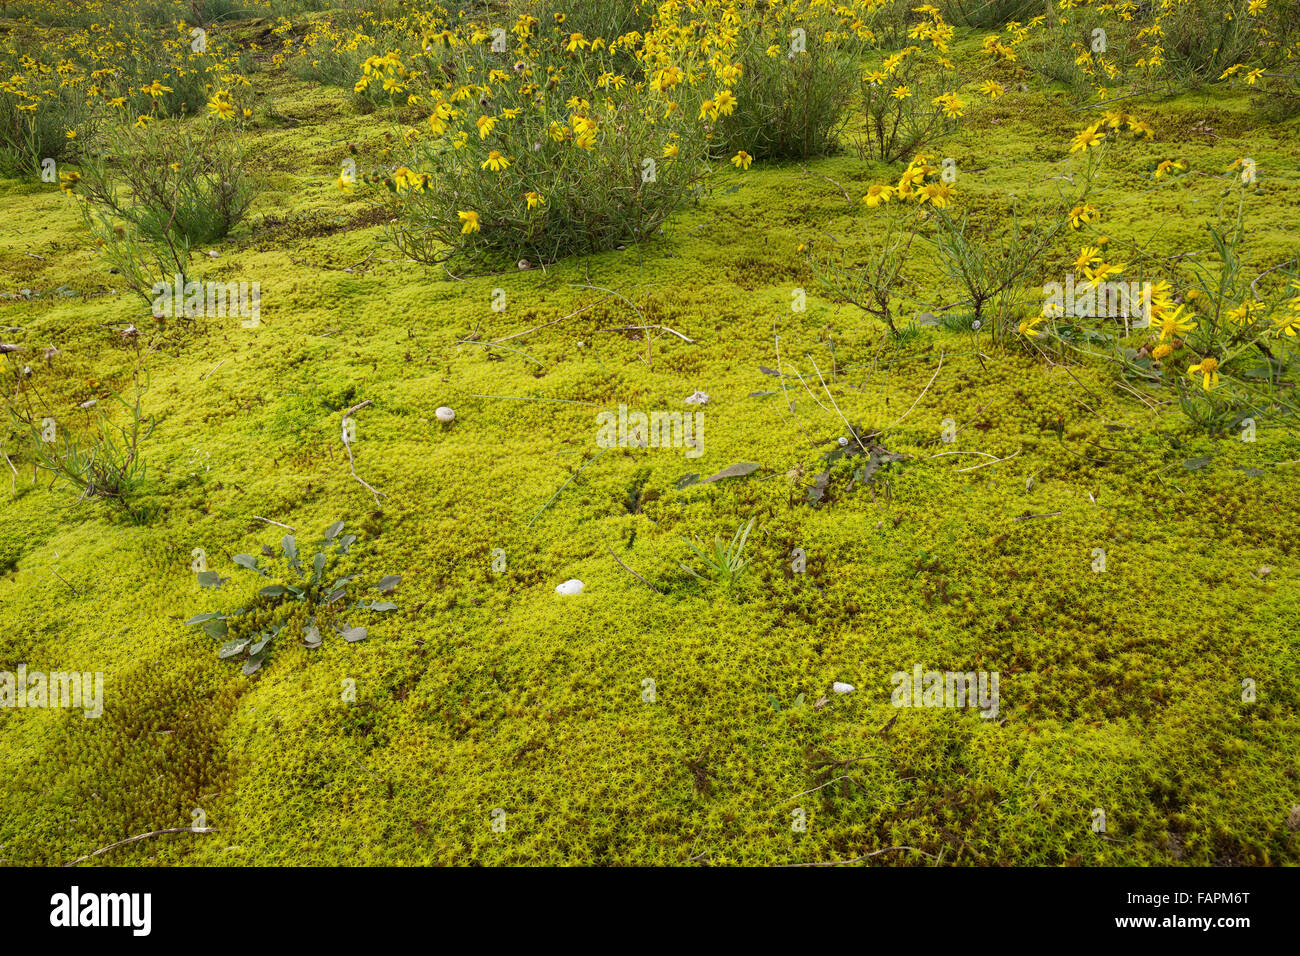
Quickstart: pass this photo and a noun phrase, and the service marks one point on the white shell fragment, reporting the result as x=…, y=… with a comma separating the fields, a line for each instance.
x=696, y=398
x=444, y=414
x=842, y=688
x=571, y=586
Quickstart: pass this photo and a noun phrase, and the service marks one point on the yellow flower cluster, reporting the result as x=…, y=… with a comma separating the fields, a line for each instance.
x=920, y=181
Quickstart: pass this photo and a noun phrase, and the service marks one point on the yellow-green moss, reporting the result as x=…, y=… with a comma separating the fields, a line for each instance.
x=1119, y=690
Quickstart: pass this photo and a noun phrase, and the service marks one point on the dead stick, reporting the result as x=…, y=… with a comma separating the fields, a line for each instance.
x=859, y=859
x=276, y=523
x=346, y=444
x=142, y=836
x=637, y=328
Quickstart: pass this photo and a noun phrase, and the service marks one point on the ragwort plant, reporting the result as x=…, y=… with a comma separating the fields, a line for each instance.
x=158, y=190
x=541, y=152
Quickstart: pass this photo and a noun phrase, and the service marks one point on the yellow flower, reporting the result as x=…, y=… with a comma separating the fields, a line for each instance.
x=742, y=160
x=1208, y=369
x=950, y=103
x=534, y=199
x=992, y=89
x=1081, y=214
x=495, y=162
x=1086, y=138
x=155, y=89
x=877, y=194
x=485, y=124
x=901, y=93
x=1161, y=351
x=1087, y=255
x=1176, y=324
x=937, y=194
x=671, y=151
x=470, y=220
x=1029, y=327
x=141, y=122
x=221, y=107
x=69, y=180
x=1166, y=165
x=725, y=103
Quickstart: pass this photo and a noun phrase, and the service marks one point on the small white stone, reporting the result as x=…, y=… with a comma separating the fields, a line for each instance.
x=571, y=586
x=842, y=688
x=696, y=398
x=444, y=415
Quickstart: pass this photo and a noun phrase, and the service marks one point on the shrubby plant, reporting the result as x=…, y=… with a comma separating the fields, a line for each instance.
x=543, y=154
x=104, y=465
x=45, y=115
x=788, y=75
x=158, y=190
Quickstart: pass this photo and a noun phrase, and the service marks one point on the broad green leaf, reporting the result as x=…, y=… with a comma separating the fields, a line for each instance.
x=232, y=648
x=204, y=618
x=353, y=633
x=248, y=561
x=389, y=584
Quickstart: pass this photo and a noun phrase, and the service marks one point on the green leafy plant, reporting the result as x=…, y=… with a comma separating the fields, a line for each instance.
x=310, y=597
x=727, y=563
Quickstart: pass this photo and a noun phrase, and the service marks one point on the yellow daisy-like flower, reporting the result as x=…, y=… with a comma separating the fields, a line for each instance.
x=1208, y=369
x=1081, y=214
x=495, y=162
x=1087, y=256
x=937, y=194
x=1086, y=138
x=1167, y=165
x=221, y=107
x=992, y=89
x=1029, y=327
x=69, y=180
x=534, y=199
x=470, y=220
x=485, y=124
x=742, y=160
x=141, y=122
x=725, y=103
x=1176, y=324
x=877, y=194
x=901, y=93
x=671, y=151
x=1162, y=351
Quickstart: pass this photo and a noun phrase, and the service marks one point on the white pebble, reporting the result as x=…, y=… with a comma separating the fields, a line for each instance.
x=696, y=398
x=444, y=414
x=842, y=688
x=571, y=586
